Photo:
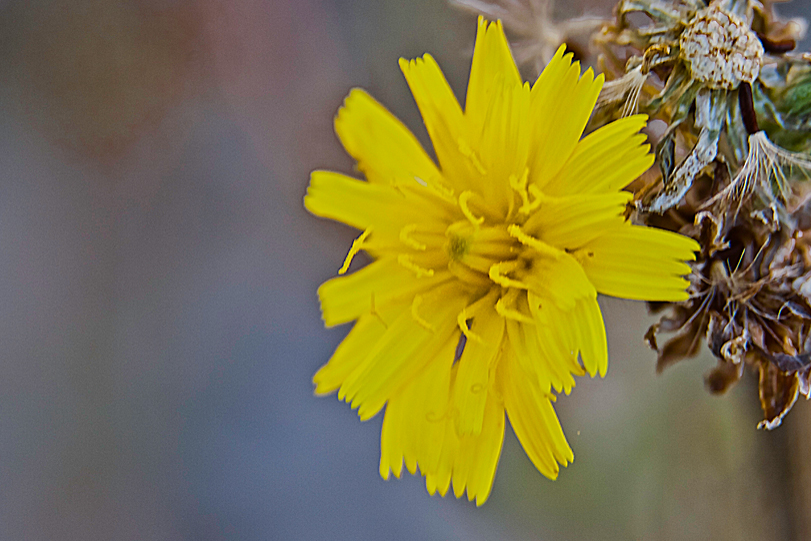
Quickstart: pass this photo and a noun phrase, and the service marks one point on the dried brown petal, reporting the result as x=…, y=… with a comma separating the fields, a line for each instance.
x=778, y=392
x=680, y=347
x=722, y=377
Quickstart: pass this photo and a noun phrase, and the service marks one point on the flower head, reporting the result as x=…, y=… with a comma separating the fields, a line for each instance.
x=482, y=297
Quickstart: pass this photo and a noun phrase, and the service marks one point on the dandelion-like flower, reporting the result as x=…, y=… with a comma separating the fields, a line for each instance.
x=482, y=296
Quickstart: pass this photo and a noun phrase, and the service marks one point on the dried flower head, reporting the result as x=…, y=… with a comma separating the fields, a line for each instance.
x=720, y=49
x=482, y=297
x=707, y=53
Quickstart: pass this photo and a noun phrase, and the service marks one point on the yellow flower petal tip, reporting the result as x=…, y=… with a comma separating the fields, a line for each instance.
x=481, y=300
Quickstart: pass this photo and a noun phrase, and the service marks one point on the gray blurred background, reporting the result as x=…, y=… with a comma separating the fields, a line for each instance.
x=159, y=325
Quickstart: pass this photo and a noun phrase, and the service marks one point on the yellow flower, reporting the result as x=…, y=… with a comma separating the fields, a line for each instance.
x=482, y=297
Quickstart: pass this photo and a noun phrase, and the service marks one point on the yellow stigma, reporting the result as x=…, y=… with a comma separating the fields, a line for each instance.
x=357, y=246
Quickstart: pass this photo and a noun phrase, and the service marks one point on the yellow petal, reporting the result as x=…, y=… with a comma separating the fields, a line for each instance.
x=606, y=160
x=571, y=221
x=371, y=289
x=557, y=335
x=539, y=350
x=639, y=263
x=561, y=280
x=504, y=144
x=383, y=209
x=476, y=457
x=534, y=421
x=591, y=338
x=349, y=354
x=562, y=102
x=355, y=202
x=440, y=111
x=413, y=339
x=476, y=366
x=417, y=416
x=386, y=151
x=492, y=62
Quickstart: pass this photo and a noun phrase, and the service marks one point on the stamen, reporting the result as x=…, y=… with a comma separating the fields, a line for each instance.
x=467, y=152
x=519, y=185
x=408, y=263
x=498, y=274
x=415, y=306
x=537, y=245
x=408, y=241
x=537, y=198
x=464, y=197
x=510, y=313
x=461, y=320
x=357, y=246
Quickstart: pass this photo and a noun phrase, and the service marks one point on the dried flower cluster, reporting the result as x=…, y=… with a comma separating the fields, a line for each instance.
x=733, y=163
x=715, y=74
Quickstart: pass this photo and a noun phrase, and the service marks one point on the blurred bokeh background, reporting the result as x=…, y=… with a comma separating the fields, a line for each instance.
x=159, y=325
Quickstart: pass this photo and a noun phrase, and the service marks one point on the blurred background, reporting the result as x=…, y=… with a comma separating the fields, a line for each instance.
x=159, y=324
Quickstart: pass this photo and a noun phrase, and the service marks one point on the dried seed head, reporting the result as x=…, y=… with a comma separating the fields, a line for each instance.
x=721, y=49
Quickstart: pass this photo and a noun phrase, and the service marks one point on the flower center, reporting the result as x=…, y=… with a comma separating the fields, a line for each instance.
x=721, y=49
x=502, y=255
x=479, y=247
